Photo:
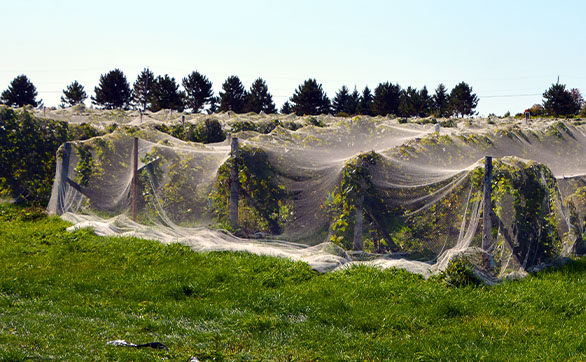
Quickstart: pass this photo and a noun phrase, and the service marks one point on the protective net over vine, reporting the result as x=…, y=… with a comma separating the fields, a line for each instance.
x=336, y=191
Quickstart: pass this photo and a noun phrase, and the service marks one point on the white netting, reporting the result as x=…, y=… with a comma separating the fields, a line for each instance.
x=418, y=192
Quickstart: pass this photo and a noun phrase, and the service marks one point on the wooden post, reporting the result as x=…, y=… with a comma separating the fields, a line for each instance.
x=234, y=184
x=357, y=242
x=62, y=181
x=358, y=221
x=134, y=177
x=487, y=210
x=183, y=123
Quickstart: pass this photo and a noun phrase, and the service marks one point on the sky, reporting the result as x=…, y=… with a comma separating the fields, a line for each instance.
x=509, y=52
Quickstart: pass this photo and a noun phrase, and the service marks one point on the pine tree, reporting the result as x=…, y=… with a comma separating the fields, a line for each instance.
x=310, y=98
x=387, y=98
x=73, y=94
x=20, y=92
x=259, y=98
x=346, y=102
x=441, y=102
x=558, y=101
x=213, y=108
x=143, y=87
x=233, y=98
x=365, y=102
x=577, y=97
x=166, y=95
x=286, y=108
x=462, y=100
x=341, y=101
x=113, y=91
x=409, y=102
x=424, y=103
x=198, y=91
x=353, y=103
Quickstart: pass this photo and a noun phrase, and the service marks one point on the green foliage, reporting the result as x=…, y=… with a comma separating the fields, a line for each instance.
x=143, y=88
x=341, y=204
x=83, y=131
x=450, y=123
x=85, y=165
x=259, y=99
x=387, y=98
x=165, y=94
x=20, y=92
x=27, y=155
x=313, y=121
x=462, y=101
x=365, y=102
x=264, y=205
x=415, y=103
x=440, y=99
x=113, y=91
x=198, y=91
x=345, y=102
x=310, y=99
x=179, y=193
x=264, y=127
x=558, y=101
x=207, y=131
x=286, y=108
x=459, y=273
x=233, y=98
x=74, y=94
x=531, y=187
x=536, y=110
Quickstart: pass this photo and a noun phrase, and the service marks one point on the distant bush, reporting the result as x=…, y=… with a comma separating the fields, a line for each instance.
x=208, y=131
x=448, y=123
x=459, y=273
x=312, y=121
x=28, y=148
x=264, y=127
x=27, y=155
x=83, y=131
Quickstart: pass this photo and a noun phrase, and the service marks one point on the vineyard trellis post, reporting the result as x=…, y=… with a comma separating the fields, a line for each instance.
x=486, y=213
x=234, y=183
x=63, y=175
x=134, y=177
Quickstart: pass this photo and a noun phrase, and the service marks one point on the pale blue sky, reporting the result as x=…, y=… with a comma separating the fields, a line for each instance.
x=500, y=48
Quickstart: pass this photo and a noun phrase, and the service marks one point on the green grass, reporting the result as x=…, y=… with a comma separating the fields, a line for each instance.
x=64, y=295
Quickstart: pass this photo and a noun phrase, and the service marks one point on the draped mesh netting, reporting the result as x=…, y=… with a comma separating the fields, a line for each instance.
x=336, y=191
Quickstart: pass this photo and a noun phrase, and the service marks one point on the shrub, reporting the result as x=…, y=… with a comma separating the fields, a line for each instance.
x=459, y=273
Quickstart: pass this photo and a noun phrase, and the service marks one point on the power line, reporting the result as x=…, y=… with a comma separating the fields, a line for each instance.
x=511, y=95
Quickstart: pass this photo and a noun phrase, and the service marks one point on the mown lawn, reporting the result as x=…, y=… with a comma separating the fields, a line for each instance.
x=64, y=295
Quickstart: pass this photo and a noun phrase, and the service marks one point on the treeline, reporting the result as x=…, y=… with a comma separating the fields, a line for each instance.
x=194, y=94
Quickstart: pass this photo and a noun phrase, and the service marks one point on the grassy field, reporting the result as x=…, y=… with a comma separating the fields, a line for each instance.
x=64, y=295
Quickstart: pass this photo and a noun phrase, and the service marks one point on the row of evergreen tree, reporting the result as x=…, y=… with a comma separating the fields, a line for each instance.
x=153, y=93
